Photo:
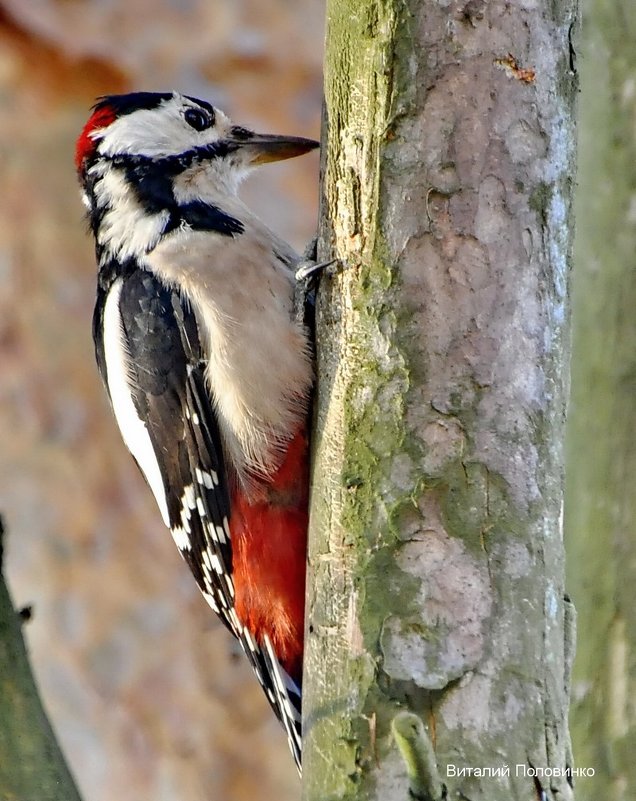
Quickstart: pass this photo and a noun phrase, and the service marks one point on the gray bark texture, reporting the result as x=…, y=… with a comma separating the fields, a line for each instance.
x=32, y=767
x=438, y=638
x=601, y=453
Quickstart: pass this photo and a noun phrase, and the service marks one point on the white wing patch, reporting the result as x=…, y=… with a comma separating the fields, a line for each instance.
x=133, y=429
x=212, y=602
x=181, y=534
x=181, y=538
x=208, y=480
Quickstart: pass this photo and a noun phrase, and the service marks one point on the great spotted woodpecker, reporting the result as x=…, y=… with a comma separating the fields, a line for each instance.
x=205, y=361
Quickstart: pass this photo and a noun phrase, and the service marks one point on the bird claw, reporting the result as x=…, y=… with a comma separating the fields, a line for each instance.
x=309, y=269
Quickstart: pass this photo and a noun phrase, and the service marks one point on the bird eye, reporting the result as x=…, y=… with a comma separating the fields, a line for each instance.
x=198, y=119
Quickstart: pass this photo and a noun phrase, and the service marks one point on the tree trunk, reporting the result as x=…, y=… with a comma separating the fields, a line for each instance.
x=32, y=767
x=601, y=501
x=436, y=557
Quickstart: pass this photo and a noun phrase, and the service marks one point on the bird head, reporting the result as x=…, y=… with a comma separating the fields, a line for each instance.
x=188, y=139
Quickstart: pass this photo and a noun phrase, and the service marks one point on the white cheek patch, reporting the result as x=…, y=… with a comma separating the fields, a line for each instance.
x=133, y=429
x=127, y=229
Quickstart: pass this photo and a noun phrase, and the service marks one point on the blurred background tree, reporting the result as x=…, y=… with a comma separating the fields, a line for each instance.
x=600, y=513
x=147, y=695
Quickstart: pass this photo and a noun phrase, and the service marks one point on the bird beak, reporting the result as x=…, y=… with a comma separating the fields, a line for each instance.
x=261, y=148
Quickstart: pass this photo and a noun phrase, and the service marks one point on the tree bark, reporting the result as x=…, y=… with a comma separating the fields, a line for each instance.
x=32, y=767
x=601, y=502
x=435, y=555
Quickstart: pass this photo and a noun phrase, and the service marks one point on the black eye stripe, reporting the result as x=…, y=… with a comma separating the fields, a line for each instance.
x=198, y=118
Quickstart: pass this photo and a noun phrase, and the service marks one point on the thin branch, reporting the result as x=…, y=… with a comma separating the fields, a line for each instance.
x=417, y=751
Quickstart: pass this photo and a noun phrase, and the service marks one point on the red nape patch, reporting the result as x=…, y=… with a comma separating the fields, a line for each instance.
x=85, y=147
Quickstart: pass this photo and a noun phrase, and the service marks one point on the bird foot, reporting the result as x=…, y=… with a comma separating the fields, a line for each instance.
x=308, y=270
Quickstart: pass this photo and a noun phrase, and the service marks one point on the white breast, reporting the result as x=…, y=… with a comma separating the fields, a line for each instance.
x=259, y=369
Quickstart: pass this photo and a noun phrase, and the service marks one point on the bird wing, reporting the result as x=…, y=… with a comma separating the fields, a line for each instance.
x=150, y=354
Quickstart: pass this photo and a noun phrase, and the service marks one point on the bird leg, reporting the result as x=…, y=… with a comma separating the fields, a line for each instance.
x=308, y=271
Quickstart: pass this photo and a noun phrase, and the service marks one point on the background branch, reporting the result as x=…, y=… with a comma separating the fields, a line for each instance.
x=32, y=766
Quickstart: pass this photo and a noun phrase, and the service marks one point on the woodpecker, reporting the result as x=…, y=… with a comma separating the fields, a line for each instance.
x=206, y=361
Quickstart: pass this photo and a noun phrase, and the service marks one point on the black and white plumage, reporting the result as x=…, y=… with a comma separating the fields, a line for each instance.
x=205, y=363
